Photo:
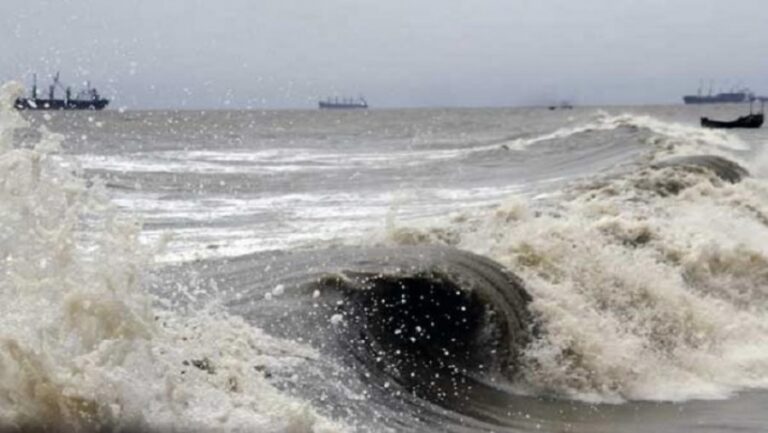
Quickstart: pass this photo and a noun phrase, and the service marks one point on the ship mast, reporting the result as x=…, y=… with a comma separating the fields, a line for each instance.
x=52, y=87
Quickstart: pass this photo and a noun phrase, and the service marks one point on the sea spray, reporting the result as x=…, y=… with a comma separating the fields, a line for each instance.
x=642, y=295
x=83, y=345
x=646, y=284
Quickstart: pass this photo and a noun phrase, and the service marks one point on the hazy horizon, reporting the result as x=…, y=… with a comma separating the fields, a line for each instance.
x=244, y=54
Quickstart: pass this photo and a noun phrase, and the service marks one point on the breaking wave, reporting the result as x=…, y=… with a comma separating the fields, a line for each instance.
x=646, y=284
x=671, y=134
x=412, y=312
x=84, y=346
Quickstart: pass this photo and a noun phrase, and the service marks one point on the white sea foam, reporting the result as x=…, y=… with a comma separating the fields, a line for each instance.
x=270, y=161
x=670, y=137
x=638, y=301
x=285, y=221
x=639, y=293
x=83, y=345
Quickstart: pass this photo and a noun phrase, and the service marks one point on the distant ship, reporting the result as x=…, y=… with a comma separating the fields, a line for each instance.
x=565, y=105
x=343, y=103
x=732, y=97
x=86, y=99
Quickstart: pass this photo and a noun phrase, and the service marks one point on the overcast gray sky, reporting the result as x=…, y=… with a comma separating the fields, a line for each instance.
x=288, y=53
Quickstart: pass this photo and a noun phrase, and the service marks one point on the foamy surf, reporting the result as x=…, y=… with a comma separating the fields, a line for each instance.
x=648, y=285
x=84, y=346
x=277, y=309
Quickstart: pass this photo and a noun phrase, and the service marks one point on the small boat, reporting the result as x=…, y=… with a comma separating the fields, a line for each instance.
x=751, y=120
x=748, y=121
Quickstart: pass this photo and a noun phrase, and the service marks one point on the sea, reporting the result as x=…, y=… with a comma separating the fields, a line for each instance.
x=586, y=270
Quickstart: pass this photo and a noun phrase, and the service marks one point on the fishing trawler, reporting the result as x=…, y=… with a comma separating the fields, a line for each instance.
x=343, y=103
x=86, y=99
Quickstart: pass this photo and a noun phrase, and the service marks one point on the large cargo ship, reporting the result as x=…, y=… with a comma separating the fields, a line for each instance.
x=732, y=97
x=343, y=103
x=86, y=99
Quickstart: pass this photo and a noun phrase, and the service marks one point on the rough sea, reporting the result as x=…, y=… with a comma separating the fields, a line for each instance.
x=387, y=270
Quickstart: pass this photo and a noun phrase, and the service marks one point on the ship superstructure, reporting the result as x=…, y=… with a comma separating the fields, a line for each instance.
x=86, y=99
x=734, y=96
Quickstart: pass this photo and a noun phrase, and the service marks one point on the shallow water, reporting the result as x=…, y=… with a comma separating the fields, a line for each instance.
x=202, y=270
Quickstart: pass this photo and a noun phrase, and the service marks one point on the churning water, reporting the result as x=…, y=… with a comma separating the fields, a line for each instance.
x=397, y=270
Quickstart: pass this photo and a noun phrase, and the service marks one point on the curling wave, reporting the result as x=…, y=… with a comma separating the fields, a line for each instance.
x=414, y=312
x=403, y=315
x=725, y=169
x=644, y=285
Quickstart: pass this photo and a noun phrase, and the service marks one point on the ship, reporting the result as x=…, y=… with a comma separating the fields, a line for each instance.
x=564, y=105
x=343, y=103
x=749, y=121
x=752, y=120
x=735, y=96
x=86, y=99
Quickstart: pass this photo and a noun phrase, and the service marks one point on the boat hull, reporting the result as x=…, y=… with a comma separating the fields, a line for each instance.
x=720, y=98
x=340, y=106
x=750, y=121
x=60, y=104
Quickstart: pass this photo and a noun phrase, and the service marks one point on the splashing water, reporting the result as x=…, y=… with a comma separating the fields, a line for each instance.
x=647, y=285
x=83, y=346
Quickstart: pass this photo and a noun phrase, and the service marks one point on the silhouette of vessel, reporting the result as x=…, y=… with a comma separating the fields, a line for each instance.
x=86, y=99
x=565, y=105
x=343, y=103
x=735, y=96
x=748, y=121
x=751, y=120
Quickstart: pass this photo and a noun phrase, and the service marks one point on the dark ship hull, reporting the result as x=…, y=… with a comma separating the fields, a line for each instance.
x=720, y=98
x=749, y=121
x=60, y=104
x=341, y=106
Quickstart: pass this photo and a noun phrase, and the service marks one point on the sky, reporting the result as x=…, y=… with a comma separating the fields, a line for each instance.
x=397, y=53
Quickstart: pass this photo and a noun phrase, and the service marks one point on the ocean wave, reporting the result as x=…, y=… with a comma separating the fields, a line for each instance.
x=404, y=332
x=414, y=312
x=646, y=284
x=84, y=346
x=673, y=134
x=641, y=283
